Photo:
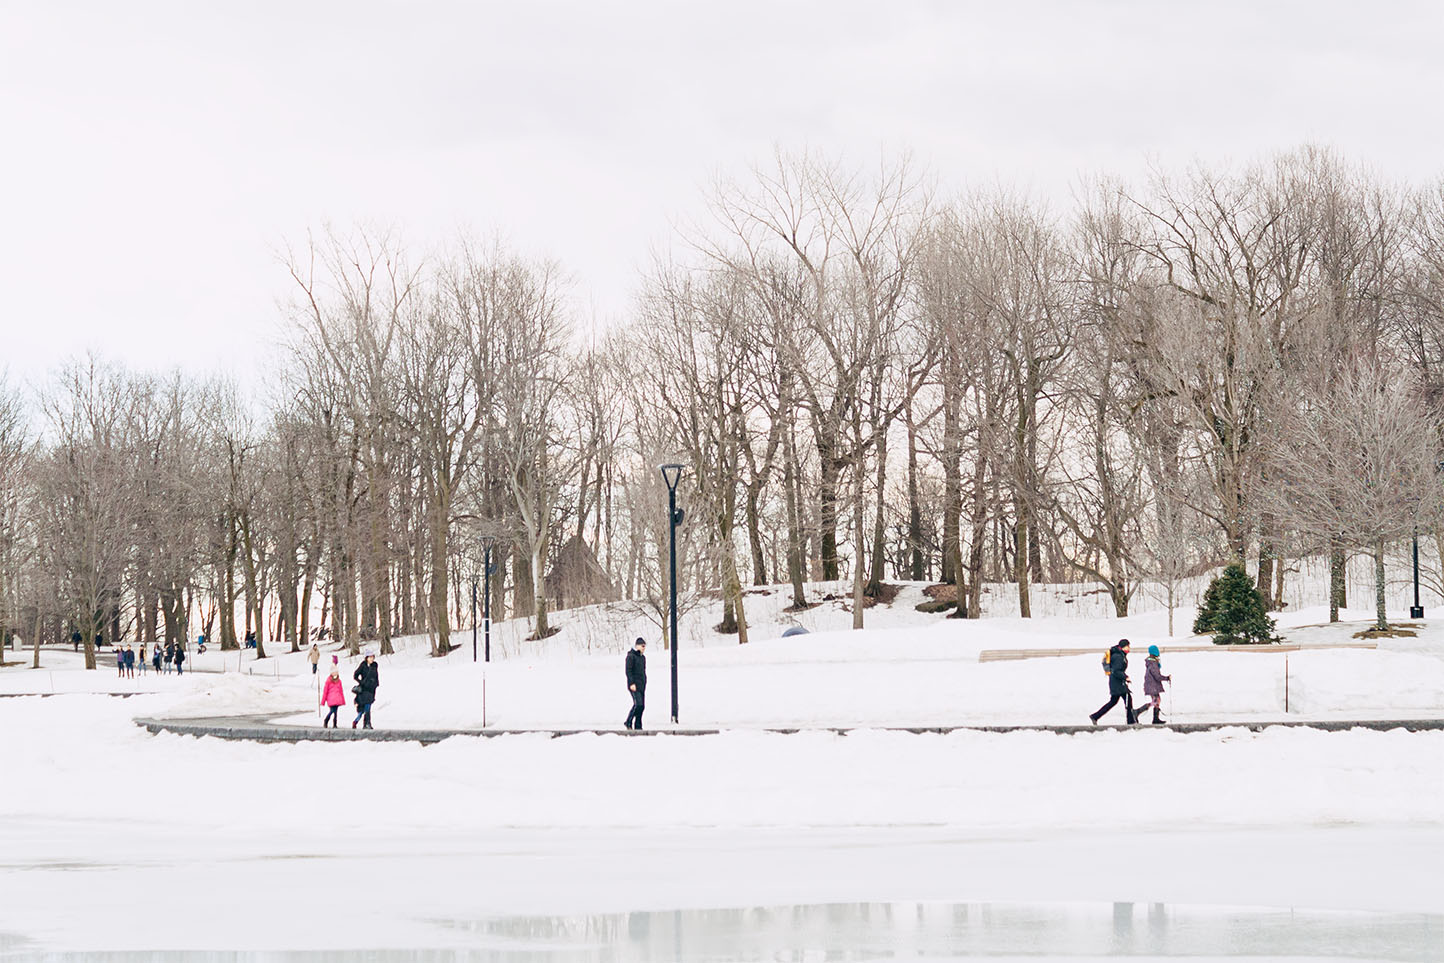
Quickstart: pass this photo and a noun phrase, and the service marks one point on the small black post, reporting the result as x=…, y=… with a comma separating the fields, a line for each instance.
x=473, y=618
x=486, y=604
x=1417, y=612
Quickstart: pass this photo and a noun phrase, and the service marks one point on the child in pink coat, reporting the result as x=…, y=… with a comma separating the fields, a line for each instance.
x=333, y=697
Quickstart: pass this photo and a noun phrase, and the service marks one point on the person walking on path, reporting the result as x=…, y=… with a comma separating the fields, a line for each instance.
x=315, y=657
x=155, y=658
x=1117, y=683
x=140, y=660
x=368, y=680
x=180, y=657
x=637, y=683
x=120, y=661
x=129, y=662
x=333, y=698
x=1153, y=679
x=169, y=659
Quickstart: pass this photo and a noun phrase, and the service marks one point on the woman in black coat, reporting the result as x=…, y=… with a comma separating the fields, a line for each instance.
x=368, y=679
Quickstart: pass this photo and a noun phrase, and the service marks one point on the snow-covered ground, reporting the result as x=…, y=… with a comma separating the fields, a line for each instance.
x=906, y=668
x=112, y=839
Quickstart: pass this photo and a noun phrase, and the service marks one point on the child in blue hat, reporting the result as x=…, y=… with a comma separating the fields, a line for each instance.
x=1153, y=679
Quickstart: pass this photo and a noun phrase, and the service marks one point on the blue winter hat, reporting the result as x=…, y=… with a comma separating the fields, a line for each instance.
x=1153, y=651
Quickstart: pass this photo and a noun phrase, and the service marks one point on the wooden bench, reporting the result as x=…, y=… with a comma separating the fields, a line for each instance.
x=1012, y=655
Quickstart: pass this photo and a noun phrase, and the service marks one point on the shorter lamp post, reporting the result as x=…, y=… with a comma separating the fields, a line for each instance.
x=1416, y=611
x=671, y=474
x=488, y=570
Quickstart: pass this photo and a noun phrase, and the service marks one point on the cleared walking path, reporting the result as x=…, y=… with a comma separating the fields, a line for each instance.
x=261, y=728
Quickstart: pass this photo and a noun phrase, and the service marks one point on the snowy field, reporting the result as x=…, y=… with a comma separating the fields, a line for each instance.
x=907, y=668
x=1286, y=843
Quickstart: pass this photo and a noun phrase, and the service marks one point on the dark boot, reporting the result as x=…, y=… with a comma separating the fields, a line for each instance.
x=1157, y=719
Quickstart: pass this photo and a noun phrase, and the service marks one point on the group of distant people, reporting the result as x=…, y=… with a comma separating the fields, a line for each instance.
x=161, y=658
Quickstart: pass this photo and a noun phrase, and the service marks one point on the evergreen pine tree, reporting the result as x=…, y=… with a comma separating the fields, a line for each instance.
x=1234, y=610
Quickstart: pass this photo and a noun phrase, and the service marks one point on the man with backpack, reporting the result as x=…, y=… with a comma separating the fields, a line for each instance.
x=1115, y=663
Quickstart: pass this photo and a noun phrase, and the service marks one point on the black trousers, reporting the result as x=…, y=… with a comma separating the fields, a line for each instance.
x=639, y=702
x=1127, y=698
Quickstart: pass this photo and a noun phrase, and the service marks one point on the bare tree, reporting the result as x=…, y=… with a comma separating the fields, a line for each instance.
x=1359, y=461
x=531, y=338
x=88, y=504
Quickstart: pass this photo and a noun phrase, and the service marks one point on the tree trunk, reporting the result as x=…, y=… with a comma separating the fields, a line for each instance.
x=827, y=515
x=440, y=618
x=1020, y=559
x=1266, y=563
x=1338, y=586
x=1118, y=592
x=978, y=541
x=915, y=509
x=498, y=586
x=344, y=604
x=308, y=586
x=732, y=592
x=538, y=576
x=879, y=522
x=151, y=613
x=952, y=500
x=728, y=625
x=754, y=535
x=522, y=589
x=857, y=527
x=790, y=484
x=1381, y=621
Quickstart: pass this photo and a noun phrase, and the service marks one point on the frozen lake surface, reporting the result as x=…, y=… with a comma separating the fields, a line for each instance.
x=848, y=932
x=1317, y=894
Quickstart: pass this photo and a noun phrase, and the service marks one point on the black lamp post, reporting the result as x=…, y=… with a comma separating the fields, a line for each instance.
x=1417, y=611
x=672, y=474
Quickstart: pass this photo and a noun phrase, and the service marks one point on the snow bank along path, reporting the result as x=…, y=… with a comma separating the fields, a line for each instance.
x=262, y=728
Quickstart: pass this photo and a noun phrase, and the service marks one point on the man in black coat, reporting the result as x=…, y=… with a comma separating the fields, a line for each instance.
x=368, y=680
x=1117, y=683
x=637, y=683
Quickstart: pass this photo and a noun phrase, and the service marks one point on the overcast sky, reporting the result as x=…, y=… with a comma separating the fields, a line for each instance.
x=155, y=156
